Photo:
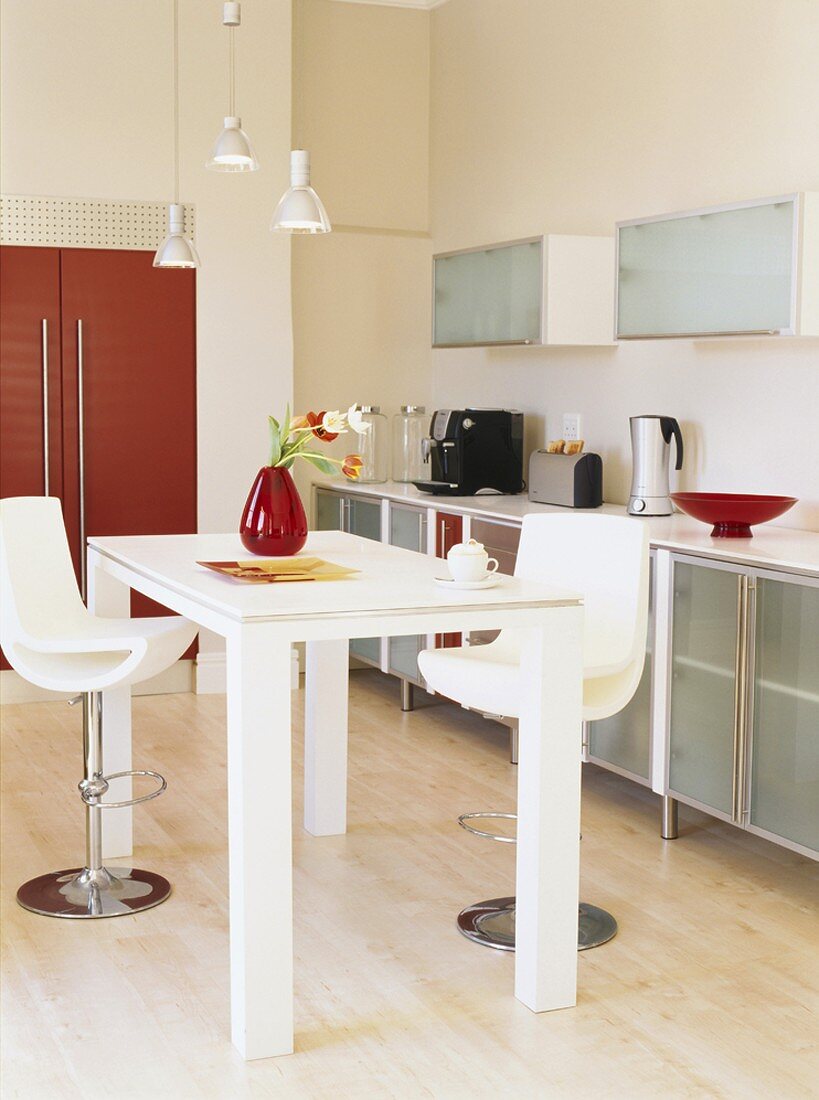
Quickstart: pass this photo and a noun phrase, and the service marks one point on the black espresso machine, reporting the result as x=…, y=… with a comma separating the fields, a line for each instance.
x=471, y=451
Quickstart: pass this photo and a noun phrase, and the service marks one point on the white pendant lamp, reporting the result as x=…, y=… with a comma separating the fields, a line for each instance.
x=176, y=250
x=300, y=210
x=232, y=151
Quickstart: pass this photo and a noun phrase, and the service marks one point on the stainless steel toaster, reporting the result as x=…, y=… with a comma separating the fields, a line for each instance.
x=574, y=481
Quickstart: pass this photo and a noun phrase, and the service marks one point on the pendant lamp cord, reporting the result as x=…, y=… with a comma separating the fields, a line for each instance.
x=232, y=71
x=295, y=78
x=176, y=101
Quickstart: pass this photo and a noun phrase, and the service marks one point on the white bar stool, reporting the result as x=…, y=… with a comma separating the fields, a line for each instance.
x=605, y=558
x=52, y=640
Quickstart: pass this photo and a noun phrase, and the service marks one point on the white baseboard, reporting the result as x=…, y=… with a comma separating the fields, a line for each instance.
x=178, y=678
x=211, y=672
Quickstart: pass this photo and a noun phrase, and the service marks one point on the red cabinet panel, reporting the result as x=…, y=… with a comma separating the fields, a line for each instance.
x=449, y=530
x=29, y=295
x=138, y=326
x=30, y=358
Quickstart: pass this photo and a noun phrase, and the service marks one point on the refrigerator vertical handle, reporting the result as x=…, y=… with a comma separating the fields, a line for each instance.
x=44, y=356
x=81, y=457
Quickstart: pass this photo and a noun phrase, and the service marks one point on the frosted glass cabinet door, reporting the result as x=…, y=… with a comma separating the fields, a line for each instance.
x=625, y=739
x=785, y=740
x=328, y=510
x=703, y=674
x=408, y=528
x=364, y=518
x=489, y=295
x=719, y=271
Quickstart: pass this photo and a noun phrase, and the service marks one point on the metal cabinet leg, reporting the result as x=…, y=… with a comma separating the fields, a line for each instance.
x=513, y=744
x=407, y=695
x=669, y=827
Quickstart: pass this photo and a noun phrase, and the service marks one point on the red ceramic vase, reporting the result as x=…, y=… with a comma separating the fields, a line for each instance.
x=273, y=522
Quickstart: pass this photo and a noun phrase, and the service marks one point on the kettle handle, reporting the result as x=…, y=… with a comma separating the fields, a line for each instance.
x=669, y=426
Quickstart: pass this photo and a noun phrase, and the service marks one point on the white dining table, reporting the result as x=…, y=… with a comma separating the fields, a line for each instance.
x=392, y=594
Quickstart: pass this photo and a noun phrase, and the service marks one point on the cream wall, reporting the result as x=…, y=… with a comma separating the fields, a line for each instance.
x=565, y=117
x=361, y=294
x=87, y=112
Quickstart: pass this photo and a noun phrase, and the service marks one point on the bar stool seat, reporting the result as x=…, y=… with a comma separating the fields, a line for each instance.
x=607, y=559
x=52, y=640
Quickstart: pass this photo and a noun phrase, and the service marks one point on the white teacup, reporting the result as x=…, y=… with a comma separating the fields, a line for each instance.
x=469, y=561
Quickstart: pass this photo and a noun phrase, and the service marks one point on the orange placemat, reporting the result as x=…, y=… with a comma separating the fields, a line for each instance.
x=272, y=570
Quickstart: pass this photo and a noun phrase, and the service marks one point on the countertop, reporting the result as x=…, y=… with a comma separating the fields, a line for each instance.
x=780, y=548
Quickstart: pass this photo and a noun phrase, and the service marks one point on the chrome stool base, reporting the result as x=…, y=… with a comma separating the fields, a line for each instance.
x=492, y=924
x=80, y=893
x=93, y=890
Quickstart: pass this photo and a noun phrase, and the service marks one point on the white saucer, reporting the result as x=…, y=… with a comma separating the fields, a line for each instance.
x=486, y=582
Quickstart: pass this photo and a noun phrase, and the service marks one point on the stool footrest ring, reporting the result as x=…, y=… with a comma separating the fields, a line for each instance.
x=465, y=818
x=92, y=795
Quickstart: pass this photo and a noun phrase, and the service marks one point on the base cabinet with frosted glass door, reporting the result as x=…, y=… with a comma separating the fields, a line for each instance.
x=623, y=742
x=408, y=529
x=743, y=698
x=358, y=515
x=782, y=799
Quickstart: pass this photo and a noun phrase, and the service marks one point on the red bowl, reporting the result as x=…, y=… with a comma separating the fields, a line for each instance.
x=732, y=514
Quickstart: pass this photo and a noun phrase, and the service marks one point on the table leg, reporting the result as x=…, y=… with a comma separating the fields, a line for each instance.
x=112, y=599
x=549, y=812
x=325, y=737
x=260, y=841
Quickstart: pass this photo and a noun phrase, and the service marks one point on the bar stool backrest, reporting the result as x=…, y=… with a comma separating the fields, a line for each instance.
x=606, y=558
x=38, y=589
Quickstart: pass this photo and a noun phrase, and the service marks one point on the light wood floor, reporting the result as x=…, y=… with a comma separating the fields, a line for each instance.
x=709, y=990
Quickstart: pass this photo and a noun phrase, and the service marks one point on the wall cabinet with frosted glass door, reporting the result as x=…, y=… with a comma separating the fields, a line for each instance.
x=408, y=529
x=554, y=289
x=358, y=515
x=623, y=743
x=742, y=269
x=743, y=698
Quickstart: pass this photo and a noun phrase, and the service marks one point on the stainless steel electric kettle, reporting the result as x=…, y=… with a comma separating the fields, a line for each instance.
x=651, y=451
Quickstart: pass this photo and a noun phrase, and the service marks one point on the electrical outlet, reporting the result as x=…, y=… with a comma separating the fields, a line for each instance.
x=571, y=426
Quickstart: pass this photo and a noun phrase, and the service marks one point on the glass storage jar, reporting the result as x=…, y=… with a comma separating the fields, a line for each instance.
x=408, y=429
x=374, y=445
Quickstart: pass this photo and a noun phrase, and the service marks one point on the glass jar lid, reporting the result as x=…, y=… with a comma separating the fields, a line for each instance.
x=370, y=408
x=413, y=408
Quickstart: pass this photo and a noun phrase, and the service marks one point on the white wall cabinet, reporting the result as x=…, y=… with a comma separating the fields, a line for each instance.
x=746, y=268
x=743, y=698
x=548, y=290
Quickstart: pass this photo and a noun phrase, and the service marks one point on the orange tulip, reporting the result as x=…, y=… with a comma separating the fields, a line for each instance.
x=351, y=467
x=314, y=421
